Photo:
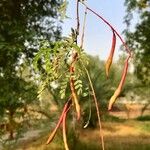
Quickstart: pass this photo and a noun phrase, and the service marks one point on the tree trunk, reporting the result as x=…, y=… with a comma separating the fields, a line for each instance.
x=11, y=125
x=144, y=108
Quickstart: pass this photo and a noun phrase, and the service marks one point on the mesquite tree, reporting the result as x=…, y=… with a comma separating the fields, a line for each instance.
x=65, y=62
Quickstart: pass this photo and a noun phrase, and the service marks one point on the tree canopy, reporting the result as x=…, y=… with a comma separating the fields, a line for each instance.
x=24, y=24
x=139, y=40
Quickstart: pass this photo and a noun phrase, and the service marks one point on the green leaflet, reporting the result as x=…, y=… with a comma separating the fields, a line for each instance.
x=50, y=64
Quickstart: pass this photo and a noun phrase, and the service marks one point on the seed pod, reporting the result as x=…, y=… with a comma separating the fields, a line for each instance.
x=64, y=130
x=110, y=58
x=74, y=98
x=52, y=135
x=118, y=90
x=72, y=87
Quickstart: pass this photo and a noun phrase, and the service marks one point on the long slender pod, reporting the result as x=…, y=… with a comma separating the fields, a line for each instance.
x=118, y=90
x=110, y=57
x=64, y=130
x=72, y=87
x=90, y=112
x=74, y=97
x=52, y=135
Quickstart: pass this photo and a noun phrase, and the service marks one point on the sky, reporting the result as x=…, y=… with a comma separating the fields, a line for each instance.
x=97, y=34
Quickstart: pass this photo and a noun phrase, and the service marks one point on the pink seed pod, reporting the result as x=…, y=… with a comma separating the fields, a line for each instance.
x=52, y=135
x=110, y=58
x=74, y=98
x=64, y=129
x=118, y=90
x=72, y=87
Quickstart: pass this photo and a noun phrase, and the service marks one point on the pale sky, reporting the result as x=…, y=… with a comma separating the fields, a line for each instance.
x=97, y=34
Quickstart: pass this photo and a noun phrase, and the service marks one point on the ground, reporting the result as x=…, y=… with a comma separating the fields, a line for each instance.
x=128, y=135
x=119, y=132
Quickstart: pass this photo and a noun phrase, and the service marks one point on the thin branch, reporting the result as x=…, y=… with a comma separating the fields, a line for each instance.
x=104, y=20
x=78, y=20
x=97, y=108
x=83, y=30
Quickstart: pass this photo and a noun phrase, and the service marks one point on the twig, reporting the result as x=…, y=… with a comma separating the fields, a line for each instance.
x=104, y=20
x=83, y=30
x=78, y=20
x=97, y=108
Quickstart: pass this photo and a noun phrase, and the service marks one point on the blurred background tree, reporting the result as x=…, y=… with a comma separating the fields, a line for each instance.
x=24, y=23
x=139, y=39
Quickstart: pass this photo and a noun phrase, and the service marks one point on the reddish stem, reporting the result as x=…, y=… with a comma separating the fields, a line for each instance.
x=125, y=45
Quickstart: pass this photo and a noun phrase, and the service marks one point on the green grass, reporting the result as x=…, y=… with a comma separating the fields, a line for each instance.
x=110, y=118
x=144, y=127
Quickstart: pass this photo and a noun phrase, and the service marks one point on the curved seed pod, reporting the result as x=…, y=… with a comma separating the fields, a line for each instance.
x=64, y=130
x=52, y=135
x=88, y=121
x=110, y=58
x=118, y=90
x=113, y=98
x=74, y=97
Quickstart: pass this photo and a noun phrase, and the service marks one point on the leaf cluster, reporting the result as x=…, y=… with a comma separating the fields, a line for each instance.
x=53, y=61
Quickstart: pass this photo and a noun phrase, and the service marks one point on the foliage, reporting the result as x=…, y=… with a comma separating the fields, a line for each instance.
x=144, y=118
x=52, y=62
x=139, y=39
x=15, y=98
x=23, y=24
x=14, y=102
x=65, y=63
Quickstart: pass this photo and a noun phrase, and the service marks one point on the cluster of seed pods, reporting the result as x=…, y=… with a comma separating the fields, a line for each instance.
x=73, y=100
x=107, y=68
x=110, y=58
x=62, y=120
